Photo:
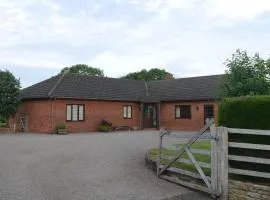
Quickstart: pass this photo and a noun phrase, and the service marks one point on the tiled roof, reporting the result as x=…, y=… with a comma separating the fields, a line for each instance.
x=40, y=90
x=194, y=88
x=103, y=88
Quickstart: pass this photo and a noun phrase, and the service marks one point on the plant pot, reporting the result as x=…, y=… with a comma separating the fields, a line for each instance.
x=62, y=131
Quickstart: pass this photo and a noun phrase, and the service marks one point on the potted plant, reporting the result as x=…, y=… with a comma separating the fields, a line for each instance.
x=61, y=129
x=105, y=126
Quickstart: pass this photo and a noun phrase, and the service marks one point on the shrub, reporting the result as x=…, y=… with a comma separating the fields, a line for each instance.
x=251, y=112
x=105, y=126
x=60, y=126
x=3, y=120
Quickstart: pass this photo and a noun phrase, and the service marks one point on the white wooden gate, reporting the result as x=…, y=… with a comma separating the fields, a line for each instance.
x=210, y=183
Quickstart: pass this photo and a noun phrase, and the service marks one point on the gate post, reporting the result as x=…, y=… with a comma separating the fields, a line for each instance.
x=214, y=160
x=223, y=163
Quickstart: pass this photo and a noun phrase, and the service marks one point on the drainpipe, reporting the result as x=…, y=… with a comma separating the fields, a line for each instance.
x=141, y=118
x=158, y=115
x=52, y=114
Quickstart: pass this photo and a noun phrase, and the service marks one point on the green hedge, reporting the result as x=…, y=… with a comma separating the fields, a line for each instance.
x=251, y=112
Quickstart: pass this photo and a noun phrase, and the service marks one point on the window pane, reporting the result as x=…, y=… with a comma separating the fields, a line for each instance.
x=185, y=112
x=74, y=112
x=129, y=112
x=81, y=112
x=125, y=112
x=208, y=111
x=177, y=112
x=68, y=112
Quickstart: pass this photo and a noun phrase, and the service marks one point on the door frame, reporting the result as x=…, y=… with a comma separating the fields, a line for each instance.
x=157, y=114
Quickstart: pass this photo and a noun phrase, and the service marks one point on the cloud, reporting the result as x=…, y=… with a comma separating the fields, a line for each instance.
x=240, y=9
x=186, y=37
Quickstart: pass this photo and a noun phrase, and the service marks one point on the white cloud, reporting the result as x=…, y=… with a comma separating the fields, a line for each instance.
x=183, y=36
x=236, y=9
x=212, y=9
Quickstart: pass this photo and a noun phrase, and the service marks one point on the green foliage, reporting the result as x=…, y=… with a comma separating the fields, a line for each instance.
x=152, y=74
x=61, y=126
x=3, y=119
x=104, y=128
x=251, y=112
x=9, y=94
x=83, y=69
x=246, y=76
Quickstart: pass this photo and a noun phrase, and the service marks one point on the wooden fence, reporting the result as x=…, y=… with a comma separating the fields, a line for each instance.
x=249, y=159
x=218, y=182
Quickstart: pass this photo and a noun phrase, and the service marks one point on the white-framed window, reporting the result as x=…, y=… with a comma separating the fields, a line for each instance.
x=75, y=112
x=127, y=112
x=183, y=112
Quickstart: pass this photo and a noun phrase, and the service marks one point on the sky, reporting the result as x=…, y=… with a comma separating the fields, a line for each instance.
x=186, y=37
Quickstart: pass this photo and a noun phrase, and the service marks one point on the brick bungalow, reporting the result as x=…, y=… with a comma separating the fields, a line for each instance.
x=81, y=102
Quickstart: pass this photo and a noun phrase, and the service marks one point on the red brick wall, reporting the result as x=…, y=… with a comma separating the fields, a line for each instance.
x=95, y=111
x=167, y=116
x=38, y=113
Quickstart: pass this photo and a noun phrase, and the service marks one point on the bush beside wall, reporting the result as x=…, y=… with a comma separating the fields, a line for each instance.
x=251, y=112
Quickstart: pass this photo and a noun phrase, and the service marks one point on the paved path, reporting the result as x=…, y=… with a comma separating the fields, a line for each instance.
x=81, y=166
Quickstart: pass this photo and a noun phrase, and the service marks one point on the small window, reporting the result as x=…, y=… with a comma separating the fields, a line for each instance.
x=75, y=112
x=127, y=112
x=183, y=112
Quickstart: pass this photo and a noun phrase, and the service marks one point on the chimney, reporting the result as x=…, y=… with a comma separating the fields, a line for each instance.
x=168, y=76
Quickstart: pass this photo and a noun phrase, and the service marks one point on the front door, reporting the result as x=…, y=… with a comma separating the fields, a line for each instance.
x=208, y=112
x=150, y=116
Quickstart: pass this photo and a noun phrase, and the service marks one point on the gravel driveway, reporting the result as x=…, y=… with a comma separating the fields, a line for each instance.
x=81, y=166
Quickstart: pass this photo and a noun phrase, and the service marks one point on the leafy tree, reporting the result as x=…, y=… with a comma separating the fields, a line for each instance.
x=152, y=74
x=9, y=94
x=246, y=75
x=83, y=69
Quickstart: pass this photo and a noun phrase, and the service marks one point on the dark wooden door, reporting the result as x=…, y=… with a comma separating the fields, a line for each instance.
x=150, y=116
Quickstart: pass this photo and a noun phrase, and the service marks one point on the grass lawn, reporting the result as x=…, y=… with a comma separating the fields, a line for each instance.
x=204, y=145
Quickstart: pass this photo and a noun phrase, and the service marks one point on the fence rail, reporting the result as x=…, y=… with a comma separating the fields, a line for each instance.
x=249, y=159
x=193, y=150
x=249, y=146
x=249, y=173
x=248, y=131
x=187, y=161
x=185, y=172
x=240, y=158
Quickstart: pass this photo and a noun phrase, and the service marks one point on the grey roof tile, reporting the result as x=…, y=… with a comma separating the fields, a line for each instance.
x=194, y=88
x=103, y=88
x=41, y=89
